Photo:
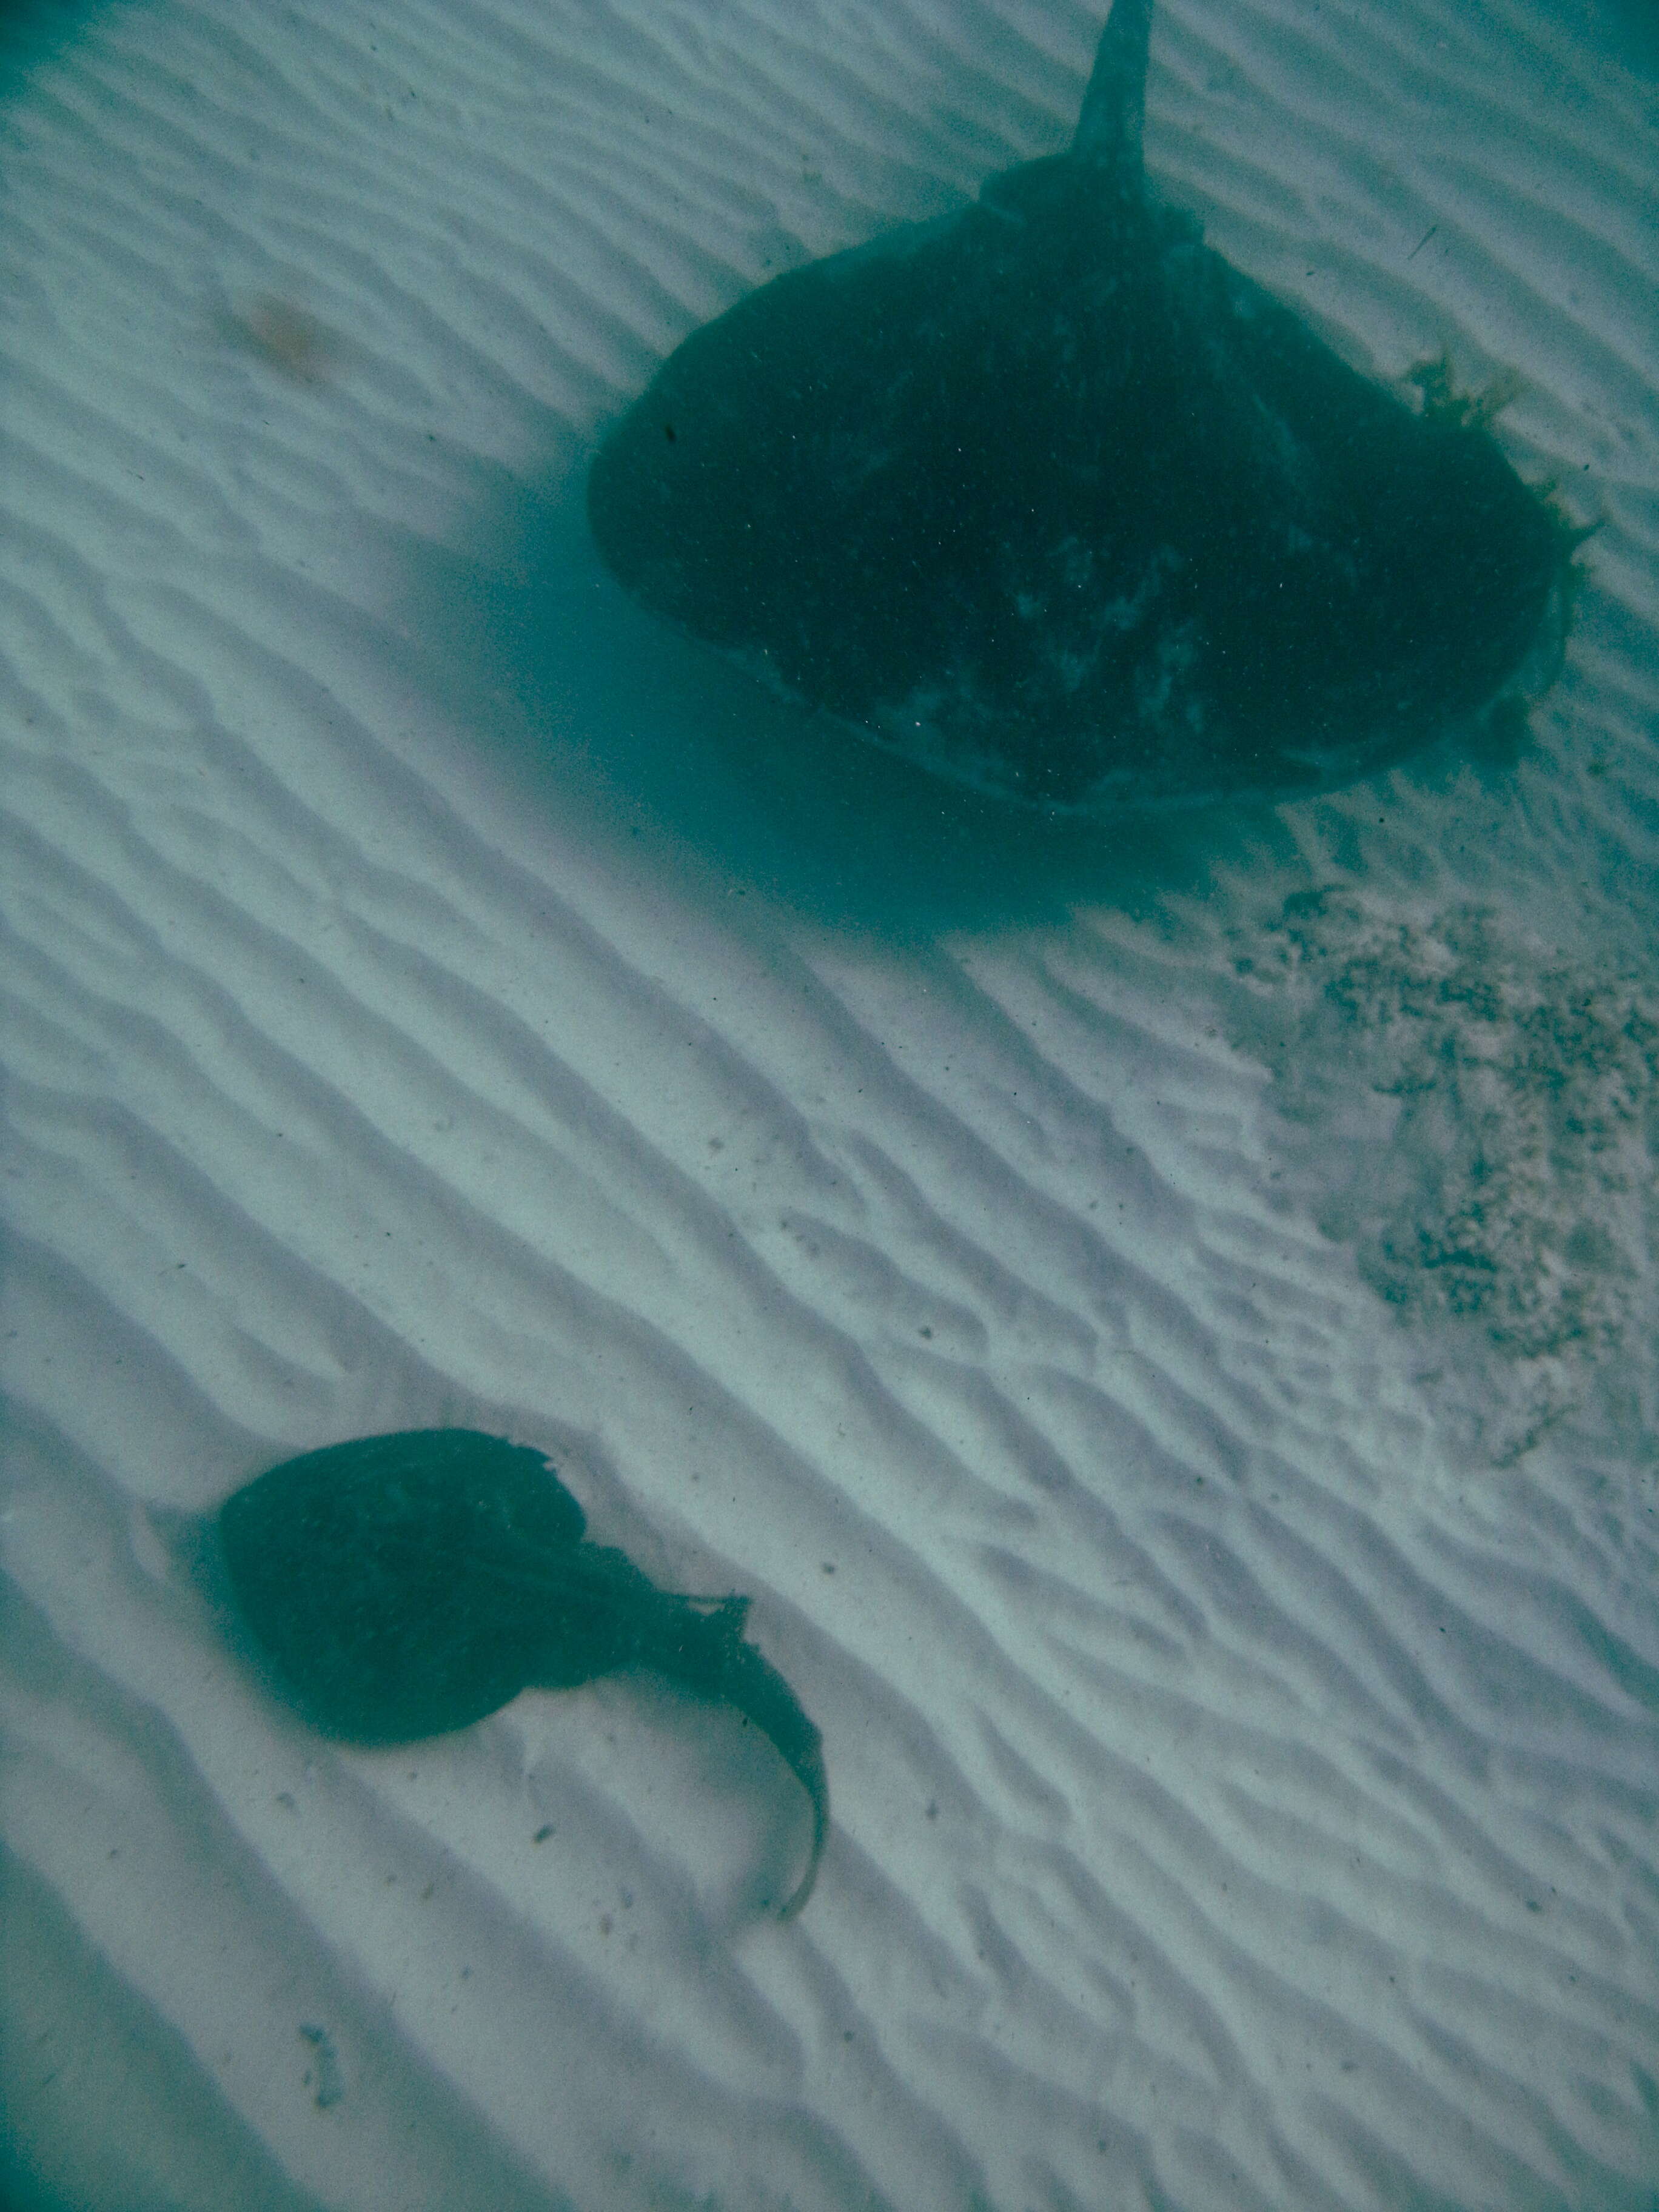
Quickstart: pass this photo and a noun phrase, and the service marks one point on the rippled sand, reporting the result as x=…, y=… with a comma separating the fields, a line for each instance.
x=1161, y=1323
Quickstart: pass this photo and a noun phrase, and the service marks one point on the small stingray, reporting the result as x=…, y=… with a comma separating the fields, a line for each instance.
x=404, y=1585
x=1048, y=498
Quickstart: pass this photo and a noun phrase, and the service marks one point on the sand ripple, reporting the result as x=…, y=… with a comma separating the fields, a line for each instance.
x=1066, y=1286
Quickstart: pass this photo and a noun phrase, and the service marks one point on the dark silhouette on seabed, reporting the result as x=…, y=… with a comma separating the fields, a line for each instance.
x=1049, y=500
x=404, y=1585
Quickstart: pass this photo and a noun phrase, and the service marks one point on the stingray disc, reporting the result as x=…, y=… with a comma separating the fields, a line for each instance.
x=1048, y=498
x=402, y=1585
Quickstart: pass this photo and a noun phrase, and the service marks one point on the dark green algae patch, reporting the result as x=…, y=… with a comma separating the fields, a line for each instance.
x=402, y=1586
x=1049, y=500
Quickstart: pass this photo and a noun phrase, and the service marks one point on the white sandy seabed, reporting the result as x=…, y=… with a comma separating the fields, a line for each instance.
x=1162, y=1323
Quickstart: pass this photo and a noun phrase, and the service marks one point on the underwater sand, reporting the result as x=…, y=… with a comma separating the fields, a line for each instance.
x=1161, y=1322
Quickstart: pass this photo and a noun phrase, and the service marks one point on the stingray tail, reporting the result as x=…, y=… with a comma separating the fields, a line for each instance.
x=1114, y=107
x=699, y=1643
x=755, y=1687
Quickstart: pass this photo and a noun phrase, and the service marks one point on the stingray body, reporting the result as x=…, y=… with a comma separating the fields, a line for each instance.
x=1050, y=499
x=404, y=1585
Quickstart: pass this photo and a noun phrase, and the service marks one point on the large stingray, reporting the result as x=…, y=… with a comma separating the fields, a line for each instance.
x=1048, y=497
